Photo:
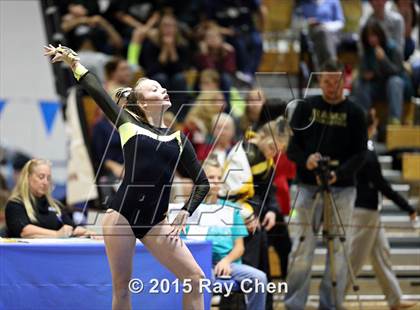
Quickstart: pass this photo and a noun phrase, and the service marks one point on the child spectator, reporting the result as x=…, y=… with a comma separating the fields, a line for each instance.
x=220, y=222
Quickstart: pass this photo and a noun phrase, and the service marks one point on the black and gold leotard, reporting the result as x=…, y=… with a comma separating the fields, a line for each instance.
x=151, y=157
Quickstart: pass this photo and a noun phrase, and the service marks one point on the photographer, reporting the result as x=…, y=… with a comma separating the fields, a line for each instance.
x=333, y=126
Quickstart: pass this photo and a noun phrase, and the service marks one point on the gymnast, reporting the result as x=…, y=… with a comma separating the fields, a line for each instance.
x=152, y=153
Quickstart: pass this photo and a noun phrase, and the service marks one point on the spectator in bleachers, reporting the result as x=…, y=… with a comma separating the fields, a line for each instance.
x=105, y=142
x=221, y=140
x=135, y=45
x=260, y=110
x=81, y=19
x=216, y=54
x=391, y=21
x=90, y=55
x=255, y=100
x=236, y=19
x=208, y=103
x=79, y=8
x=248, y=172
x=31, y=212
x=407, y=9
x=416, y=62
x=381, y=71
x=285, y=172
x=278, y=235
x=189, y=14
x=108, y=157
x=220, y=221
x=165, y=57
x=128, y=15
x=325, y=19
x=118, y=74
x=368, y=238
x=106, y=149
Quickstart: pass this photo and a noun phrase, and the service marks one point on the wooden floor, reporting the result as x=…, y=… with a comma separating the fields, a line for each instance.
x=366, y=305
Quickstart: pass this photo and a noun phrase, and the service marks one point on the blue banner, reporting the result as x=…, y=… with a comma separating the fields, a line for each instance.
x=2, y=104
x=49, y=111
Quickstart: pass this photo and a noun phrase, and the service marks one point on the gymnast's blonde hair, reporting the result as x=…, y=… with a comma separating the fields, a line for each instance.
x=22, y=194
x=132, y=96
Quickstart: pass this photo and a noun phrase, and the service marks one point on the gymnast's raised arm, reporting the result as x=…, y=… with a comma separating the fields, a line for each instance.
x=90, y=83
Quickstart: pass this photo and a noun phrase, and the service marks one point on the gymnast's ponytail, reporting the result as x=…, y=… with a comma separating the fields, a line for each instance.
x=131, y=105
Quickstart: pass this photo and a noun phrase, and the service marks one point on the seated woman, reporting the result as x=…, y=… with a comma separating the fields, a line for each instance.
x=31, y=212
x=381, y=73
x=220, y=222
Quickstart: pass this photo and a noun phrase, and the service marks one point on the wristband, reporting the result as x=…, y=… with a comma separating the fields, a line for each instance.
x=79, y=71
x=133, y=53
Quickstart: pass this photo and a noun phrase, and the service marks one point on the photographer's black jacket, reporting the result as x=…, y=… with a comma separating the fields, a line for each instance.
x=338, y=131
x=370, y=182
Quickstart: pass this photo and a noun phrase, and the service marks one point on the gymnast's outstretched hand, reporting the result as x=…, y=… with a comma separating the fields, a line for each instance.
x=62, y=53
x=178, y=224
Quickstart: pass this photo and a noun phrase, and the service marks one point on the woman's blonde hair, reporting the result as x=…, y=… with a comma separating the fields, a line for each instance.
x=211, y=161
x=22, y=194
x=132, y=97
x=277, y=129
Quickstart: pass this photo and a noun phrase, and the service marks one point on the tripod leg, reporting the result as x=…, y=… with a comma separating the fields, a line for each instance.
x=342, y=238
x=328, y=234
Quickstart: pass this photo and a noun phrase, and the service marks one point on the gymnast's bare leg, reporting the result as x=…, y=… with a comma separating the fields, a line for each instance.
x=120, y=244
x=174, y=255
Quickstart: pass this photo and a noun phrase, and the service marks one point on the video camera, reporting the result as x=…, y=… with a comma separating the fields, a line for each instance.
x=323, y=170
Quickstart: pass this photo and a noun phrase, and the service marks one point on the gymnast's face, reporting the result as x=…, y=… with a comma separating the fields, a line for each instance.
x=154, y=98
x=40, y=180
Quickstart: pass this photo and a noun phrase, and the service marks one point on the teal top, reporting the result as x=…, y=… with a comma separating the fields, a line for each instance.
x=223, y=231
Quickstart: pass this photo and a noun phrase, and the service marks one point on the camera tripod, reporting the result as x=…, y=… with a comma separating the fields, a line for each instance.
x=332, y=227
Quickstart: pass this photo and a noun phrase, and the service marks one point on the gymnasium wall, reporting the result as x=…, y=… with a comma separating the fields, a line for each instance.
x=30, y=114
